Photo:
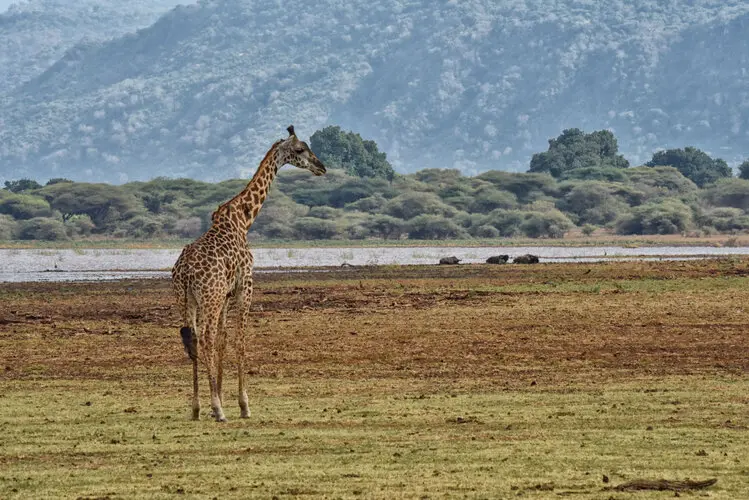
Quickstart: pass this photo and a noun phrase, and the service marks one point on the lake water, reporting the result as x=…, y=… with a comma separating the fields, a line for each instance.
x=19, y=265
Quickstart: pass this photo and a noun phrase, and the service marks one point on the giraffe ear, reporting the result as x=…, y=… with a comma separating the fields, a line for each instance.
x=291, y=130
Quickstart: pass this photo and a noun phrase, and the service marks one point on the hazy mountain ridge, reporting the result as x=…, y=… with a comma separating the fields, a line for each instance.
x=475, y=84
x=35, y=34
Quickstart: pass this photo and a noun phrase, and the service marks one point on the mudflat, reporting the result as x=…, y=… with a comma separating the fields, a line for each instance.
x=472, y=381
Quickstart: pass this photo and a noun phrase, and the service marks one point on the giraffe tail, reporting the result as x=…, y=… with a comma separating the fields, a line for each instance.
x=188, y=334
x=188, y=340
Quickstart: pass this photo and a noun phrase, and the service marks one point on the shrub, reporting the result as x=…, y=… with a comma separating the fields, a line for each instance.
x=486, y=200
x=671, y=216
x=312, y=228
x=370, y=204
x=725, y=219
x=729, y=193
x=385, y=226
x=434, y=227
x=325, y=213
x=189, y=227
x=42, y=228
x=551, y=224
x=507, y=222
x=409, y=205
x=8, y=227
x=23, y=206
x=485, y=231
x=79, y=225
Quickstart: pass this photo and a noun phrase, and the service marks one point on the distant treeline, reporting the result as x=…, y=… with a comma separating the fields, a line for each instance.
x=581, y=181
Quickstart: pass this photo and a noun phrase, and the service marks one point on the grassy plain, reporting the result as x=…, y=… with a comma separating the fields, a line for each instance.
x=470, y=381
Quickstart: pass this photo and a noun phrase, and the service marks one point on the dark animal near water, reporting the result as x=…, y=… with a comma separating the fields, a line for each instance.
x=449, y=260
x=526, y=259
x=498, y=259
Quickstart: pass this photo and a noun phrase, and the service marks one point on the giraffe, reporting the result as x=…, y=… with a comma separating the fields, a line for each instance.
x=214, y=273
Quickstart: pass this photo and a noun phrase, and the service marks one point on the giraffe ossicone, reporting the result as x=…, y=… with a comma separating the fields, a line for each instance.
x=214, y=274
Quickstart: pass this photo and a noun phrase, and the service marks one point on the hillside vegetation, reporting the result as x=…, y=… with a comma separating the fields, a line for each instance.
x=579, y=182
x=35, y=34
x=472, y=85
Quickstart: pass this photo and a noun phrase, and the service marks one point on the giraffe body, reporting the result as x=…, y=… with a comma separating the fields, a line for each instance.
x=213, y=274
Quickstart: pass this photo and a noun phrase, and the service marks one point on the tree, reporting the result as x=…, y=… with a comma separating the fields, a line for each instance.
x=574, y=149
x=8, y=228
x=105, y=204
x=693, y=164
x=433, y=227
x=592, y=202
x=21, y=185
x=729, y=193
x=670, y=216
x=410, y=205
x=526, y=187
x=487, y=199
x=650, y=183
x=24, y=206
x=347, y=150
x=57, y=180
x=385, y=226
x=42, y=228
x=744, y=170
x=551, y=224
x=312, y=228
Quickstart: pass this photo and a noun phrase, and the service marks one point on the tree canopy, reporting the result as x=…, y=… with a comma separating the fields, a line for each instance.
x=693, y=164
x=347, y=150
x=574, y=149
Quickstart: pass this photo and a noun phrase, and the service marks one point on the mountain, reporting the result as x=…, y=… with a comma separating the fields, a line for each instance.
x=470, y=84
x=35, y=34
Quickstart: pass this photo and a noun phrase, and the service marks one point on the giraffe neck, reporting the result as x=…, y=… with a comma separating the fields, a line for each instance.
x=245, y=206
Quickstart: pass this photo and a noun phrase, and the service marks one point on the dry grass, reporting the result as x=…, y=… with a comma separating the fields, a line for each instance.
x=469, y=381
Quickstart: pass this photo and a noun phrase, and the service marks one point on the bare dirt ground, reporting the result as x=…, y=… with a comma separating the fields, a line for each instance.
x=646, y=337
x=501, y=326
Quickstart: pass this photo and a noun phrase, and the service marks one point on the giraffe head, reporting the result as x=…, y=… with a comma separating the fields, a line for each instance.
x=298, y=153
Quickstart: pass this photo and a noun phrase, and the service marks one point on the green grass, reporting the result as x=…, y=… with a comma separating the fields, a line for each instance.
x=343, y=439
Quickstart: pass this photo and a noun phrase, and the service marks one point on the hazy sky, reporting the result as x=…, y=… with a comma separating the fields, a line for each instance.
x=5, y=3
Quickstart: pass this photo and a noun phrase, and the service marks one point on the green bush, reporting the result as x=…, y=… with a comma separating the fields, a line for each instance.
x=42, y=228
x=551, y=224
x=370, y=204
x=725, y=219
x=410, y=205
x=487, y=199
x=385, y=226
x=729, y=193
x=486, y=231
x=312, y=228
x=592, y=202
x=8, y=228
x=23, y=206
x=434, y=227
x=670, y=216
x=190, y=227
x=507, y=222
x=79, y=225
